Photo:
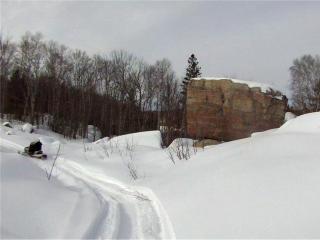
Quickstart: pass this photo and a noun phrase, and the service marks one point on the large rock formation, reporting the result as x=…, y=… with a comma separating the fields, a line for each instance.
x=227, y=109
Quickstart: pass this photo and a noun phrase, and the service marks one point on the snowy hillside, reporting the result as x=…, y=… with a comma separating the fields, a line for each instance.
x=266, y=186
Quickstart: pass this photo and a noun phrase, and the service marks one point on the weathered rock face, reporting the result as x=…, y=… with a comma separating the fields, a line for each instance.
x=205, y=142
x=226, y=110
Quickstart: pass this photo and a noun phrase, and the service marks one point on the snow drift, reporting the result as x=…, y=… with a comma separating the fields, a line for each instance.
x=261, y=187
x=307, y=123
x=33, y=207
x=265, y=186
x=147, y=138
x=28, y=128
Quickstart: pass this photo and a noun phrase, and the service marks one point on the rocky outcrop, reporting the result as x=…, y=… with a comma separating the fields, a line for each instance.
x=227, y=110
x=205, y=142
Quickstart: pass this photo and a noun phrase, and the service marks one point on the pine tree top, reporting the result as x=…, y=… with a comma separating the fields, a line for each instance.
x=192, y=71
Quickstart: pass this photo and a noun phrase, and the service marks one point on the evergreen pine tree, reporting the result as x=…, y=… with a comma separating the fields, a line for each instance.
x=192, y=71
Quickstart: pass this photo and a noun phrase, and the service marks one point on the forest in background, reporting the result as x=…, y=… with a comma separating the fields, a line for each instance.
x=44, y=81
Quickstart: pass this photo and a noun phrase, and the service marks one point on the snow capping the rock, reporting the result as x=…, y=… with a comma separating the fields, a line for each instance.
x=263, y=86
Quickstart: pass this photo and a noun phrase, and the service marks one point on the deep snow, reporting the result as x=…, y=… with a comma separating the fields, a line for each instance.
x=265, y=186
x=33, y=207
x=115, y=209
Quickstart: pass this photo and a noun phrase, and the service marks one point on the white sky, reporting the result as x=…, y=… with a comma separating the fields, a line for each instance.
x=247, y=40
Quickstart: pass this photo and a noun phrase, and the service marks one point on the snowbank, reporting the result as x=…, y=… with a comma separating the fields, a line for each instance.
x=266, y=186
x=148, y=138
x=260, y=187
x=307, y=123
x=33, y=207
x=28, y=128
x=81, y=200
x=7, y=124
x=255, y=134
x=288, y=116
x=47, y=140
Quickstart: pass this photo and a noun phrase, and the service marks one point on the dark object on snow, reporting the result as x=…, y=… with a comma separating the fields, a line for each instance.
x=34, y=148
x=7, y=124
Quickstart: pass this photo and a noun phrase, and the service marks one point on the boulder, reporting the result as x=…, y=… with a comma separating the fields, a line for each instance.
x=10, y=132
x=27, y=128
x=94, y=133
x=7, y=124
x=205, y=142
x=227, y=110
x=289, y=116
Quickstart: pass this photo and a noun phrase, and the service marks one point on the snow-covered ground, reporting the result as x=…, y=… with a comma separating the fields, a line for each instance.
x=265, y=186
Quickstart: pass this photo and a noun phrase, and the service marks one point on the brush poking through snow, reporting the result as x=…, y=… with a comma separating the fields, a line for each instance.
x=265, y=186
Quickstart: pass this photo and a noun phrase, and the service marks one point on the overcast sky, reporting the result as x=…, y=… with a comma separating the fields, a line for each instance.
x=248, y=40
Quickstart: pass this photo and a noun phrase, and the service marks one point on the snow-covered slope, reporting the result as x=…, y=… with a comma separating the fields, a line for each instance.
x=33, y=207
x=148, y=138
x=81, y=200
x=288, y=116
x=266, y=186
x=307, y=123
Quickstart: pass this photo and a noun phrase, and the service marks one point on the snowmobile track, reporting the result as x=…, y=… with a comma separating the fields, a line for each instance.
x=127, y=212
x=132, y=213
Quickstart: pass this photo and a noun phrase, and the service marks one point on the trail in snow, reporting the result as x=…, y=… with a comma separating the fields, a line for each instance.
x=129, y=212
x=132, y=214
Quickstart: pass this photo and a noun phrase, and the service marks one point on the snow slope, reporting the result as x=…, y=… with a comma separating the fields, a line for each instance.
x=288, y=116
x=265, y=186
x=32, y=206
x=119, y=211
x=148, y=138
x=307, y=123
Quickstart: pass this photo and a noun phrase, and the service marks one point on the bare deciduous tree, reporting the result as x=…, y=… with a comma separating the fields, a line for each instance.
x=30, y=59
x=305, y=83
x=7, y=54
x=119, y=93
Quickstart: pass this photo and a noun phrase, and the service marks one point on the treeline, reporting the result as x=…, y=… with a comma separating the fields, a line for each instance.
x=119, y=93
